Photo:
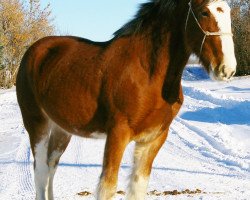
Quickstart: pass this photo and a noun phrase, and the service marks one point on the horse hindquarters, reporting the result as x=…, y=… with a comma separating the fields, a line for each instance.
x=42, y=136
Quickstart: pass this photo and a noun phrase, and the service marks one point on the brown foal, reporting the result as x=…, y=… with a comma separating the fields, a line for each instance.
x=128, y=88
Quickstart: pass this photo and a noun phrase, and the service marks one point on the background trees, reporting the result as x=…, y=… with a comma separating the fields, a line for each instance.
x=241, y=30
x=21, y=24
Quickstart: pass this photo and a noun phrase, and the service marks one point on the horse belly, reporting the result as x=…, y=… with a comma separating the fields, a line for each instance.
x=69, y=112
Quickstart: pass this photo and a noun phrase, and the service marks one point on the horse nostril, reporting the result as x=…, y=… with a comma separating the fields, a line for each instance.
x=232, y=74
x=223, y=69
x=225, y=72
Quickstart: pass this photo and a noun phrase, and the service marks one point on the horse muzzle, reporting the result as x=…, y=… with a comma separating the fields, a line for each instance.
x=223, y=72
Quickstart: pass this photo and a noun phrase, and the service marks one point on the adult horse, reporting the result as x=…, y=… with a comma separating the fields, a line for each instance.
x=128, y=88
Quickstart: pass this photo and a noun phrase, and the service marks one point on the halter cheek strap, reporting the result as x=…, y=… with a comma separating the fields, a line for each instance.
x=206, y=33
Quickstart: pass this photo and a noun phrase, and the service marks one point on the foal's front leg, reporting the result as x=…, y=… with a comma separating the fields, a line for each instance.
x=117, y=140
x=144, y=156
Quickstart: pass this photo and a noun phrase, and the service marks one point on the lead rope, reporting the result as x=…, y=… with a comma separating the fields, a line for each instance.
x=206, y=33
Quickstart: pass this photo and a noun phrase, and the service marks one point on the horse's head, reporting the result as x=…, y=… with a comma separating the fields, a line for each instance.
x=209, y=35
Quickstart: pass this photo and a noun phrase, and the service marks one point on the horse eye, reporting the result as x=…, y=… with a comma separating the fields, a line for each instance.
x=205, y=14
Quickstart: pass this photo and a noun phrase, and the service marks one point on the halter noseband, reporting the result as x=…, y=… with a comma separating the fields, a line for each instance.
x=206, y=33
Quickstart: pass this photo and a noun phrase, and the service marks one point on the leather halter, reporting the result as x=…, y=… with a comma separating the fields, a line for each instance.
x=206, y=33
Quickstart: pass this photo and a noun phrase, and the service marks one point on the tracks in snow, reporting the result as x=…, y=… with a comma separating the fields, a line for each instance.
x=15, y=165
x=210, y=142
x=23, y=167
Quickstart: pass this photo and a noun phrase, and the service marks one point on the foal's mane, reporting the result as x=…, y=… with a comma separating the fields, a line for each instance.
x=159, y=13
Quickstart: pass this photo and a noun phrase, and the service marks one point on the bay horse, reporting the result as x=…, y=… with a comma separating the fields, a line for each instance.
x=128, y=88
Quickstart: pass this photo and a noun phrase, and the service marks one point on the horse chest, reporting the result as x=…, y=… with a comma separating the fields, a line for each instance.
x=156, y=122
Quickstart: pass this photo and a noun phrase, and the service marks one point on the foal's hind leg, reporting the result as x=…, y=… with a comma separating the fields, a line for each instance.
x=38, y=129
x=144, y=156
x=58, y=142
x=47, y=143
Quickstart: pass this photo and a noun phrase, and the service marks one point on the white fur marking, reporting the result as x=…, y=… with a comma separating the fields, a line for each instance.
x=224, y=24
x=54, y=157
x=149, y=134
x=98, y=135
x=52, y=169
x=138, y=188
x=138, y=183
x=105, y=192
x=41, y=169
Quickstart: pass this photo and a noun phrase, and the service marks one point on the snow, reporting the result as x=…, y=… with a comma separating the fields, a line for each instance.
x=208, y=148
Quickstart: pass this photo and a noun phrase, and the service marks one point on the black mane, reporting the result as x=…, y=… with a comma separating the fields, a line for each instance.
x=155, y=12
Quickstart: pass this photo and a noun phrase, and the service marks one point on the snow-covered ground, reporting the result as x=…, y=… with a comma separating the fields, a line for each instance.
x=208, y=148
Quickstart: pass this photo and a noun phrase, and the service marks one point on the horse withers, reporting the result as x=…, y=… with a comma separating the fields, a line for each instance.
x=128, y=88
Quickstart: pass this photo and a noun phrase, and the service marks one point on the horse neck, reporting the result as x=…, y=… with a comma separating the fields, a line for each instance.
x=164, y=56
x=152, y=47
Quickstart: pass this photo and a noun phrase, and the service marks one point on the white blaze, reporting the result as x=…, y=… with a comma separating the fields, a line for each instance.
x=221, y=12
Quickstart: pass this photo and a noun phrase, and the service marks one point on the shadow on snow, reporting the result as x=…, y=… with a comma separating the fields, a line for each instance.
x=236, y=113
x=83, y=165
